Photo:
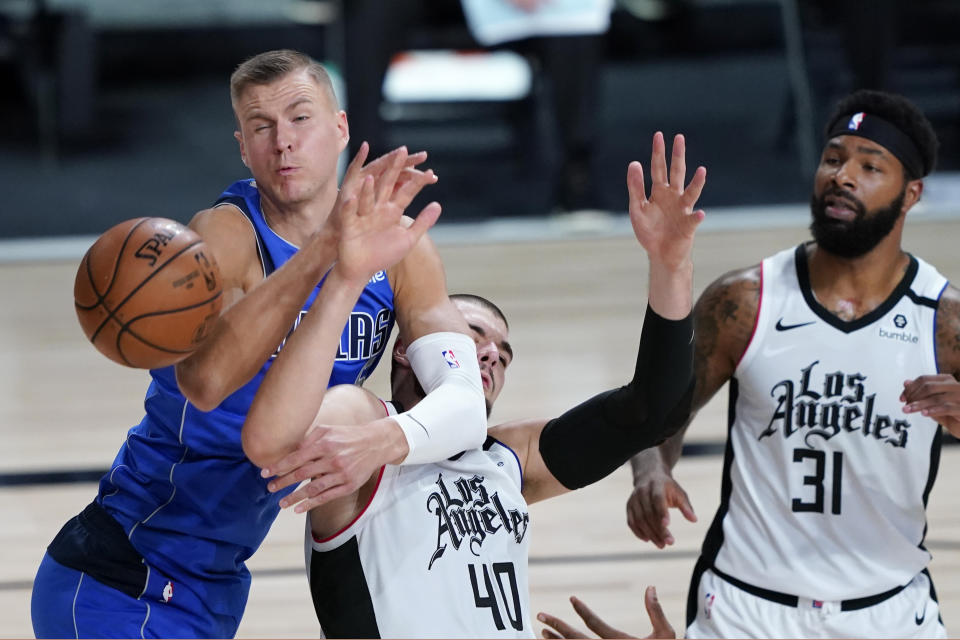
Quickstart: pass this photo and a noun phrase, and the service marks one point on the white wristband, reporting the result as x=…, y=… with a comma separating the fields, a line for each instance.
x=453, y=416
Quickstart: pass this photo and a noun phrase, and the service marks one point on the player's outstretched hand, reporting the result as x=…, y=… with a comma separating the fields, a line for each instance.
x=648, y=508
x=666, y=222
x=395, y=173
x=336, y=459
x=934, y=396
x=557, y=628
x=374, y=235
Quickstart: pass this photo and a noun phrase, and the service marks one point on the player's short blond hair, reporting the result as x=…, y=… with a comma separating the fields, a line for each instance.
x=270, y=66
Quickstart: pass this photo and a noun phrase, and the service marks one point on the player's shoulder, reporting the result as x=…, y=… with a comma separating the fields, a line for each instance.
x=222, y=219
x=231, y=237
x=739, y=288
x=950, y=301
x=724, y=317
x=948, y=330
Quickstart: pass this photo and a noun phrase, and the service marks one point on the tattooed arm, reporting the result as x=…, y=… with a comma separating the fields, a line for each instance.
x=938, y=395
x=723, y=323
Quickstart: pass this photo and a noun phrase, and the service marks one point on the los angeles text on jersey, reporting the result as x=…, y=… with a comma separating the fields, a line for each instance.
x=469, y=514
x=825, y=404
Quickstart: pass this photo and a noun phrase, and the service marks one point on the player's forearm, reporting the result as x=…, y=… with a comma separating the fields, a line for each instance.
x=452, y=417
x=671, y=290
x=289, y=398
x=660, y=459
x=250, y=331
x=591, y=440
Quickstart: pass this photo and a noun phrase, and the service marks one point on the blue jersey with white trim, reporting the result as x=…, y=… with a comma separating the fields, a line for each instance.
x=190, y=501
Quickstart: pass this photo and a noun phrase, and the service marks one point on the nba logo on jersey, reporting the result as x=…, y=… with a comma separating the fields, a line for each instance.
x=168, y=592
x=451, y=359
x=817, y=604
x=708, y=604
x=855, y=121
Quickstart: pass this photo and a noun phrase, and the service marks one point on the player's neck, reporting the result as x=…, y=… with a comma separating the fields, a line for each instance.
x=405, y=390
x=853, y=287
x=296, y=222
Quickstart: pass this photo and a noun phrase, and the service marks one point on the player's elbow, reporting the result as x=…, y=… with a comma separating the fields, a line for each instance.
x=258, y=445
x=204, y=389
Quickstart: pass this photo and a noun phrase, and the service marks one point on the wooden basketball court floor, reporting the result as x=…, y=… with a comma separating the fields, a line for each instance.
x=575, y=302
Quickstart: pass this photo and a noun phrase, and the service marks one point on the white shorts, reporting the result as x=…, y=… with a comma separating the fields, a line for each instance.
x=727, y=611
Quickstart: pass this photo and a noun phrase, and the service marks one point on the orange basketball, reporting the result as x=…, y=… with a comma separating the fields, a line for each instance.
x=147, y=292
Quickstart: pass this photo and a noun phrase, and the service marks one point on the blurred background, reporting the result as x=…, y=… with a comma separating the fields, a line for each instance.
x=116, y=108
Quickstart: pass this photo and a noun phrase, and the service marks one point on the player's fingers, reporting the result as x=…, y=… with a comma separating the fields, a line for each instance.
x=594, y=622
x=303, y=493
x=309, y=469
x=639, y=512
x=633, y=520
x=678, y=162
x=365, y=199
x=937, y=409
x=649, y=525
x=425, y=219
x=388, y=180
x=657, y=515
x=312, y=490
x=917, y=388
x=311, y=449
x=658, y=619
x=692, y=193
x=682, y=502
x=658, y=161
x=559, y=627
x=414, y=159
x=285, y=465
x=412, y=184
x=636, y=190
x=325, y=495
x=355, y=166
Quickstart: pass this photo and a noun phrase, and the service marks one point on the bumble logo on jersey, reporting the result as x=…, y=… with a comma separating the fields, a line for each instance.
x=469, y=514
x=840, y=406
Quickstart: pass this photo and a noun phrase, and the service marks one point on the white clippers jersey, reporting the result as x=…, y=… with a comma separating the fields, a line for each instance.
x=825, y=478
x=440, y=551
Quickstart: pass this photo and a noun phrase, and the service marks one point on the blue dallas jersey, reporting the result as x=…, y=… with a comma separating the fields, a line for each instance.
x=181, y=487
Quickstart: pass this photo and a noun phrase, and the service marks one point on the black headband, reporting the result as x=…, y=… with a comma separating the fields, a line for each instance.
x=884, y=133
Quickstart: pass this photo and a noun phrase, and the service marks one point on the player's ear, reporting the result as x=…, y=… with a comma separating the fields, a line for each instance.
x=343, y=127
x=400, y=353
x=243, y=153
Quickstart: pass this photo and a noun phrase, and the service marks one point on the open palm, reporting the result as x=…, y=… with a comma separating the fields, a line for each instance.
x=666, y=222
x=374, y=235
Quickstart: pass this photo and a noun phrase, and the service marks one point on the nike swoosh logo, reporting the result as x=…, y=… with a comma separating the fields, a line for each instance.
x=787, y=327
x=918, y=618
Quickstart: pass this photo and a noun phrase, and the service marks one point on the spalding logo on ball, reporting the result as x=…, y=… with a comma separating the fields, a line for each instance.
x=148, y=292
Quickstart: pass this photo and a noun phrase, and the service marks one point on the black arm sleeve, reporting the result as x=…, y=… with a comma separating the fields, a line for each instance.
x=591, y=440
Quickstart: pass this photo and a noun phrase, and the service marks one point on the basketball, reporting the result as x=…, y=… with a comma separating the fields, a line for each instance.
x=147, y=292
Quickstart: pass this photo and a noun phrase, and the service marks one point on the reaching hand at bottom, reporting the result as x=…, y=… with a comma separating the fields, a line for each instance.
x=557, y=628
